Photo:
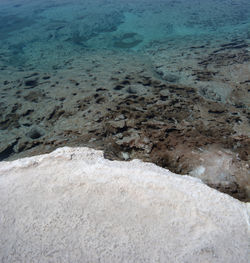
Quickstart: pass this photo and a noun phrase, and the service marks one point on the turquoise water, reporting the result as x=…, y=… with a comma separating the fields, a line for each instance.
x=43, y=34
x=164, y=81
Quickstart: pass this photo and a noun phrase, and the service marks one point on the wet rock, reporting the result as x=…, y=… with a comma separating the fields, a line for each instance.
x=204, y=75
x=10, y=121
x=56, y=113
x=46, y=77
x=131, y=123
x=217, y=109
x=21, y=146
x=119, y=124
x=131, y=90
x=164, y=92
x=119, y=135
x=7, y=149
x=169, y=77
x=31, y=83
x=35, y=133
x=139, y=89
x=120, y=117
x=27, y=112
x=136, y=141
x=129, y=140
x=34, y=96
x=119, y=87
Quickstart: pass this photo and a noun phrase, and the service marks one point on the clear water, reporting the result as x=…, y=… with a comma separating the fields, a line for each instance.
x=136, y=78
x=43, y=34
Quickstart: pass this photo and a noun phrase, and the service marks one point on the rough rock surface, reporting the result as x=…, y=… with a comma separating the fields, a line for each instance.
x=72, y=205
x=126, y=108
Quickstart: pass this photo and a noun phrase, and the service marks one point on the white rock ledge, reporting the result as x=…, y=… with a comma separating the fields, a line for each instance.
x=72, y=205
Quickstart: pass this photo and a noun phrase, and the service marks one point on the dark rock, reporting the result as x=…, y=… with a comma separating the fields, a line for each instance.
x=34, y=133
x=7, y=150
x=31, y=83
x=46, y=77
x=28, y=112
x=118, y=87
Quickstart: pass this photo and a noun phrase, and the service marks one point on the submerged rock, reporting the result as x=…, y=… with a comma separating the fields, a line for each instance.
x=75, y=205
x=168, y=76
x=35, y=133
x=128, y=40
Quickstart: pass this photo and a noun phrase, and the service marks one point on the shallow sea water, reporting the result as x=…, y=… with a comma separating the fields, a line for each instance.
x=165, y=81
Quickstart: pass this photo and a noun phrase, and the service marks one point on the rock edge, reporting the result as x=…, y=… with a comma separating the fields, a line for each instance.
x=72, y=205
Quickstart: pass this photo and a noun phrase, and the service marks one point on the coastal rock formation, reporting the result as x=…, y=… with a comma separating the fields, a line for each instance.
x=117, y=103
x=72, y=205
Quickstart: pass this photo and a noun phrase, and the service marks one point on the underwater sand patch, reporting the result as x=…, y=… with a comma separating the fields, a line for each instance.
x=128, y=40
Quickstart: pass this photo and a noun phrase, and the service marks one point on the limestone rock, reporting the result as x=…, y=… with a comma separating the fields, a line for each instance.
x=72, y=205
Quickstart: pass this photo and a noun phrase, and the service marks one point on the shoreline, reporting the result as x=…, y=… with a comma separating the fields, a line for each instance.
x=124, y=106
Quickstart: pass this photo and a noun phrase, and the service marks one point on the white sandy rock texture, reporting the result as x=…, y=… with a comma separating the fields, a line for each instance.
x=72, y=205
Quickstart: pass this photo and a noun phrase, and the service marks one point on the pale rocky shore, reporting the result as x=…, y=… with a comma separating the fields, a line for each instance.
x=73, y=205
